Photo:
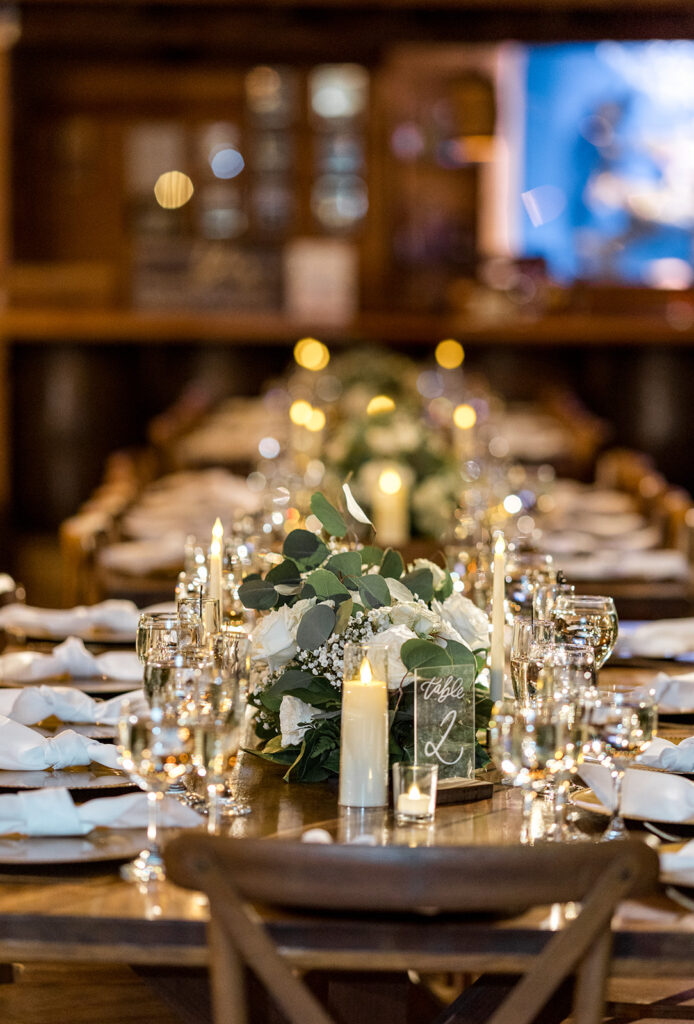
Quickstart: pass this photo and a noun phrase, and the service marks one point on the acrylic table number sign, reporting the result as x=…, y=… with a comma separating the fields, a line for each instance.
x=444, y=729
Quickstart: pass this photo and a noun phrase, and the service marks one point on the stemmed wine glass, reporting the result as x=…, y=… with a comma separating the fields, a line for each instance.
x=587, y=619
x=527, y=643
x=166, y=633
x=617, y=727
x=155, y=750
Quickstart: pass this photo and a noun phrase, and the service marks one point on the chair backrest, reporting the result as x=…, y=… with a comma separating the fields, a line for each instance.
x=379, y=881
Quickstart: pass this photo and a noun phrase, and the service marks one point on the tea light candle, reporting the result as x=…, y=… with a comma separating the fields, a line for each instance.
x=391, y=509
x=364, y=740
x=413, y=802
x=496, y=682
x=214, y=589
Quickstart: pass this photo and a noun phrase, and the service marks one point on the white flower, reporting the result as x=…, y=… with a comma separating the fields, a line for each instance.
x=438, y=574
x=295, y=718
x=274, y=637
x=469, y=621
x=393, y=638
x=416, y=616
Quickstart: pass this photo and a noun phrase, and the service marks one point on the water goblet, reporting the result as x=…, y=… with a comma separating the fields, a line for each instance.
x=526, y=635
x=616, y=727
x=166, y=632
x=155, y=750
x=525, y=572
x=589, y=620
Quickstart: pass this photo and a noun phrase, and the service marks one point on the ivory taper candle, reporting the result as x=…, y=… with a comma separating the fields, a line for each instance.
x=214, y=589
x=364, y=728
x=496, y=682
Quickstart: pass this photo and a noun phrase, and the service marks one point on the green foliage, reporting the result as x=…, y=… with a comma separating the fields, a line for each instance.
x=332, y=521
x=315, y=627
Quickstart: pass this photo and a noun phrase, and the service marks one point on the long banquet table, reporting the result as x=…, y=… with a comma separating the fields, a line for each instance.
x=87, y=913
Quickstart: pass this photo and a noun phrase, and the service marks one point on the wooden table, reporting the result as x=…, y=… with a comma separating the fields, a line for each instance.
x=87, y=913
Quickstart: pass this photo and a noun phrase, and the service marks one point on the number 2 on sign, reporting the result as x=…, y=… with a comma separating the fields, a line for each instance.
x=432, y=749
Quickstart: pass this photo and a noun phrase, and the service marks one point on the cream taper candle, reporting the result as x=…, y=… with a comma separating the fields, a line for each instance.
x=496, y=682
x=364, y=728
x=214, y=589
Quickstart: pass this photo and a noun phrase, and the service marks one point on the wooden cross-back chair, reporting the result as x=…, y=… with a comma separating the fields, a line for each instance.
x=429, y=900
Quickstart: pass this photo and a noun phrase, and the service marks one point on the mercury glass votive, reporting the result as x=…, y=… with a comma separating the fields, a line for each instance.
x=414, y=792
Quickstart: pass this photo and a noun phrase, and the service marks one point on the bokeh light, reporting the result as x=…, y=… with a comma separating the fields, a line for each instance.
x=449, y=354
x=300, y=412
x=390, y=481
x=380, y=404
x=311, y=354
x=173, y=189
x=464, y=416
x=316, y=420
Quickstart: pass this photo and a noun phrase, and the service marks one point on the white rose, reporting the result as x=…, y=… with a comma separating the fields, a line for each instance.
x=295, y=718
x=274, y=637
x=415, y=615
x=438, y=574
x=393, y=638
x=469, y=621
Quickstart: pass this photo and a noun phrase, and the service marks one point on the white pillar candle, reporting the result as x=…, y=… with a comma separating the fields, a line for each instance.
x=391, y=509
x=214, y=589
x=496, y=684
x=364, y=740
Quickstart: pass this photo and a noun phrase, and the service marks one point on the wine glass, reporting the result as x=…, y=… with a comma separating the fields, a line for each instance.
x=525, y=572
x=587, y=619
x=155, y=750
x=617, y=727
x=166, y=632
x=528, y=636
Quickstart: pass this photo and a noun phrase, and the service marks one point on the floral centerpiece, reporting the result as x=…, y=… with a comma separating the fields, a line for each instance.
x=325, y=593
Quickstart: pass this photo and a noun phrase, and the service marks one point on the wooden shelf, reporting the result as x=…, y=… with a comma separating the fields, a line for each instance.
x=107, y=326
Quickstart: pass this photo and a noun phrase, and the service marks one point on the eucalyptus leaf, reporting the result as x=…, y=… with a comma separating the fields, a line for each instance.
x=373, y=591
x=315, y=627
x=343, y=613
x=258, y=594
x=354, y=508
x=423, y=654
x=446, y=588
x=460, y=654
x=326, y=584
x=392, y=564
x=287, y=572
x=331, y=519
x=371, y=555
x=420, y=582
x=306, y=549
x=398, y=591
x=346, y=563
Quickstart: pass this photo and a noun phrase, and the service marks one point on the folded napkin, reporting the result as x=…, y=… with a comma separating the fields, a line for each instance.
x=671, y=693
x=675, y=757
x=32, y=704
x=680, y=860
x=85, y=621
x=71, y=658
x=52, y=812
x=649, y=795
x=662, y=638
x=143, y=556
x=23, y=749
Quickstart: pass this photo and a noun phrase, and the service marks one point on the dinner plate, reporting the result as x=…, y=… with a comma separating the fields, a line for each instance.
x=102, y=844
x=91, y=777
x=92, y=685
x=586, y=800
x=92, y=634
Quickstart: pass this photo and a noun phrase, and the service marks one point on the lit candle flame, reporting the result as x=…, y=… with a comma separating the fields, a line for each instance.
x=365, y=672
x=414, y=791
x=390, y=481
x=500, y=544
x=217, y=534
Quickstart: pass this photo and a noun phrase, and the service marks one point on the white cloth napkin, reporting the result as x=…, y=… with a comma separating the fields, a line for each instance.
x=142, y=556
x=35, y=703
x=602, y=565
x=24, y=749
x=675, y=757
x=662, y=638
x=71, y=658
x=52, y=812
x=85, y=621
x=650, y=795
x=680, y=860
x=671, y=693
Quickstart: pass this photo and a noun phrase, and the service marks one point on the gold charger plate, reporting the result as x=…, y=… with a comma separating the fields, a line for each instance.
x=586, y=800
x=92, y=776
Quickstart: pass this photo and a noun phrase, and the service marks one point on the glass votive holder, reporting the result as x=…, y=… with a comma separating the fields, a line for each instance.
x=414, y=792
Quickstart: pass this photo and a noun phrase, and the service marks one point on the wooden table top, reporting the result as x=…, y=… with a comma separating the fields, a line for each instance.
x=86, y=912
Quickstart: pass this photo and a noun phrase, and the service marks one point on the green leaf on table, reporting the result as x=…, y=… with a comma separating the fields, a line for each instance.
x=258, y=594
x=424, y=654
x=315, y=627
x=306, y=549
x=325, y=584
x=346, y=563
x=331, y=519
x=373, y=591
x=370, y=555
x=420, y=582
x=392, y=564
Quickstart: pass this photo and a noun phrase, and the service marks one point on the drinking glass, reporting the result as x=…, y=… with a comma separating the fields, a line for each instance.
x=527, y=634
x=567, y=671
x=617, y=727
x=166, y=632
x=155, y=750
x=546, y=594
x=589, y=620
x=525, y=572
